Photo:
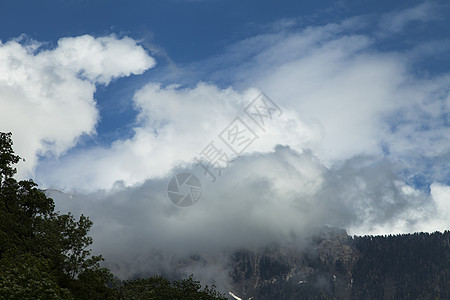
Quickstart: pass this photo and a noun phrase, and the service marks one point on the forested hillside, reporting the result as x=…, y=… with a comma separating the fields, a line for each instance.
x=407, y=266
x=337, y=266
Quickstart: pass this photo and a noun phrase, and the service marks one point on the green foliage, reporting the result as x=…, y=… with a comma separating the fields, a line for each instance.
x=159, y=288
x=28, y=277
x=404, y=266
x=43, y=254
x=7, y=157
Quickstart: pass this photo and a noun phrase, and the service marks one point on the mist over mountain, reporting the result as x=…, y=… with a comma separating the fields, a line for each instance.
x=328, y=265
x=337, y=266
x=314, y=263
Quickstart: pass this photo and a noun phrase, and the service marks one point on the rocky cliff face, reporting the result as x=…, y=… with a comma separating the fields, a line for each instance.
x=321, y=268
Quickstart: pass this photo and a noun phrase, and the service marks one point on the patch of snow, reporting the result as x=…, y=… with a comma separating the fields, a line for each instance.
x=234, y=296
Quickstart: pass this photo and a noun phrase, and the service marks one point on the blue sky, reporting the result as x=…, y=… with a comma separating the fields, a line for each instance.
x=107, y=100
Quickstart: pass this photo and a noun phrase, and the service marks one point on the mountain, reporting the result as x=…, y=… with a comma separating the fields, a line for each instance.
x=337, y=266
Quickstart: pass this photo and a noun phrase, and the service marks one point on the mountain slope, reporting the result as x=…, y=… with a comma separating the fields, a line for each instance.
x=337, y=266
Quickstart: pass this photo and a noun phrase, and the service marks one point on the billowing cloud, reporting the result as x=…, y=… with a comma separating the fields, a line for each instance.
x=366, y=101
x=47, y=95
x=175, y=125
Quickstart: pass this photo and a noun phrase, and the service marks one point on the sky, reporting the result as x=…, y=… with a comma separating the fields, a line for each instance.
x=343, y=111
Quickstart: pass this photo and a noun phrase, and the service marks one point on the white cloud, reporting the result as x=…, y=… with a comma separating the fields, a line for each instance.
x=396, y=21
x=441, y=197
x=337, y=81
x=101, y=59
x=175, y=125
x=46, y=97
x=364, y=100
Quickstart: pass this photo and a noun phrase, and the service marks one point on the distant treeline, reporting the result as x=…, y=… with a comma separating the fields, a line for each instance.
x=405, y=266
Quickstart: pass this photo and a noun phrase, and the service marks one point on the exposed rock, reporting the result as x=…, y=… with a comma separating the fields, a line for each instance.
x=325, y=263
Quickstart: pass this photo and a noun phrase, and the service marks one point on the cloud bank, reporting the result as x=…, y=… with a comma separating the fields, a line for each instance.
x=276, y=197
x=47, y=95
